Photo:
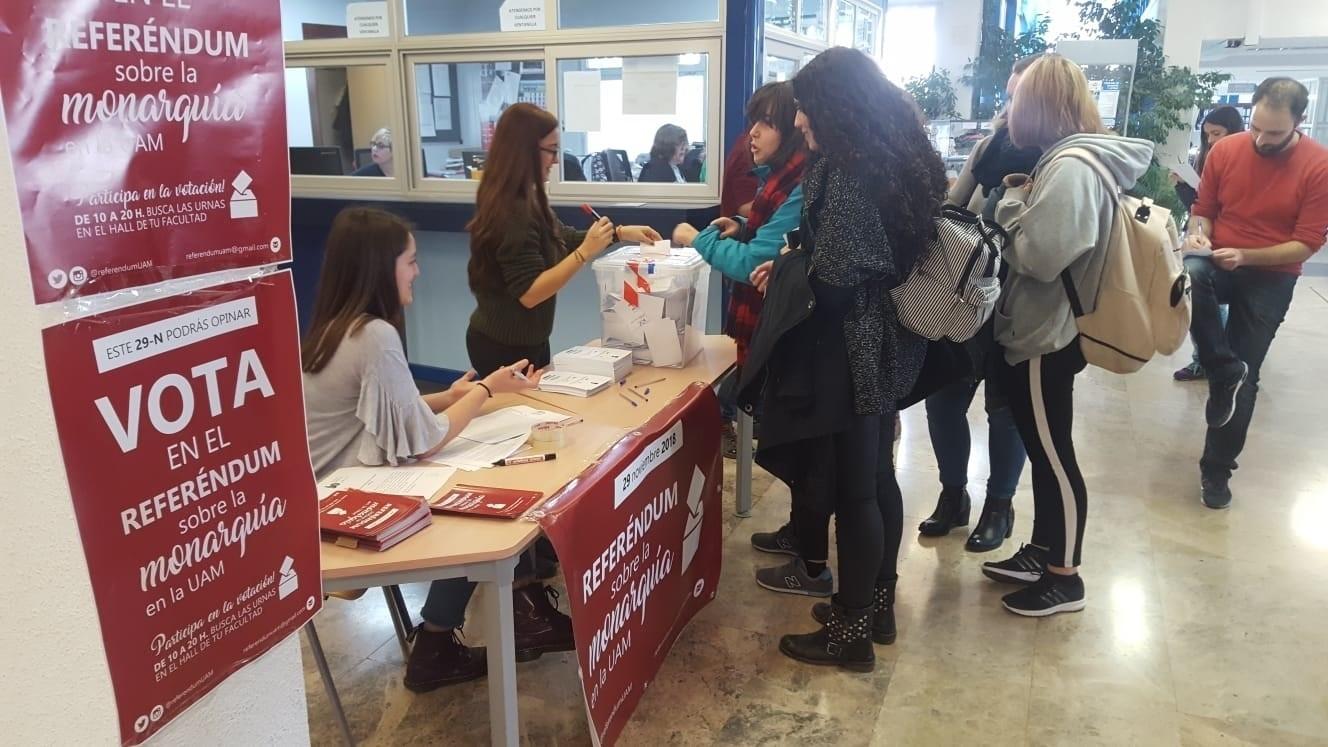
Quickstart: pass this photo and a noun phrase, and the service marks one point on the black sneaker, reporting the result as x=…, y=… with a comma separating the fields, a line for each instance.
x=1051, y=594
x=793, y=578
x=1222, y=397
x=1025, y=567
x=1216, y=490
x=728, y=441
x=780, y=542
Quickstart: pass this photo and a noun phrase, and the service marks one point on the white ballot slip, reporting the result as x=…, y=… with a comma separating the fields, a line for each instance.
x=422, y=482
x=665, y=348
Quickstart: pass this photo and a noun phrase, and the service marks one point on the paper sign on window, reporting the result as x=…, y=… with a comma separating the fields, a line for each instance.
x=521, y=15
x=366, y=20
x=581, y=100
x=650, y=85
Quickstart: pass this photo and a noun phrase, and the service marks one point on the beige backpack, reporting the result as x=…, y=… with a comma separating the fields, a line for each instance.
x=1143, y=303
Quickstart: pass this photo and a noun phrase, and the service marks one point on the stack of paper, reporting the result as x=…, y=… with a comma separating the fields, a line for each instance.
x=575, y=384
x=468, y=455
x=508, y=423
x=375, y=521
x=422, y=482
x=611, y=362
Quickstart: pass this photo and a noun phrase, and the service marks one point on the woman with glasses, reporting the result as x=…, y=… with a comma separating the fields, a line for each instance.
x=380, y=155
x=521, y=255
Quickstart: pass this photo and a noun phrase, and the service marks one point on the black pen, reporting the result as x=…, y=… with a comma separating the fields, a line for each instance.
x=532, y=459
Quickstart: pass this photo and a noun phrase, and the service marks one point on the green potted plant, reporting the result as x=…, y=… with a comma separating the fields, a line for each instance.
x=934, y=94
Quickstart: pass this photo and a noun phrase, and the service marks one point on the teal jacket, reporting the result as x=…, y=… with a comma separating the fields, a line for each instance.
x=736, y=258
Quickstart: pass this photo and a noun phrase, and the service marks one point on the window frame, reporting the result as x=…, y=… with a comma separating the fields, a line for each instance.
x=399, y=52
x=305, y=185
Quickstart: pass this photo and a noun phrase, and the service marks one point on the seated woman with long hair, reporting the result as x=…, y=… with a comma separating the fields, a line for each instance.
x=666, y=156
x=363, y=408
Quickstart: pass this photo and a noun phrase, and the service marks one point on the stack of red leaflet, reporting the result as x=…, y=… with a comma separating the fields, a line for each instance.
x=375, y=521
x=476, y=500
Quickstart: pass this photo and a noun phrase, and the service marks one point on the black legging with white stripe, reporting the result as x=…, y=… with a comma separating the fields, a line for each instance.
x=1041, y=392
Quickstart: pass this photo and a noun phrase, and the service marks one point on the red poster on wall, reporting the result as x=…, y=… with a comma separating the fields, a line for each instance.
x=639, y=538
x=182, y=427
x=148, y=139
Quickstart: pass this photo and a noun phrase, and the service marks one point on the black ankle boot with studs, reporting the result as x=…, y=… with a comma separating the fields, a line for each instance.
x=883, y=614
x=844, y=641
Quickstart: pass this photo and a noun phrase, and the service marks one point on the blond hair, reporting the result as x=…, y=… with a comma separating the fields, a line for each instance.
x=1052, y=103
x=383, y=137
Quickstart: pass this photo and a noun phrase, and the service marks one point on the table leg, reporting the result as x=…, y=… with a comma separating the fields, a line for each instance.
x=744, y=481
x=396, y=606
x=328, y=685
x=502, y=661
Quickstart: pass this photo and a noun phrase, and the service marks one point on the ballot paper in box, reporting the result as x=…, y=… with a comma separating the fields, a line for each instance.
x=652, y=305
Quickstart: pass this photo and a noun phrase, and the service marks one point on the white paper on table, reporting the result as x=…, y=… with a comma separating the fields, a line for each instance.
x=662, y=337
x=1187, y=174
x=470, y=455
x=508, y=423
x=415, y=481
x=652, y=307
x=581, y=100
x=633, y=322
x=650, y=85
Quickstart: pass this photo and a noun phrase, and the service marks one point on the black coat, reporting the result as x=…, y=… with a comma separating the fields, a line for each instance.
x=657, y=170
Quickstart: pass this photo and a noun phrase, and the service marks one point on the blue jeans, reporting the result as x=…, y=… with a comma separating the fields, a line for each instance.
x=1223, y=311
x=1258, y=301
x=947, y=423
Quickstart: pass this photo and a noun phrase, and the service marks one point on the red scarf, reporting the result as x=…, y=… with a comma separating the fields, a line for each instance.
x=744, y=300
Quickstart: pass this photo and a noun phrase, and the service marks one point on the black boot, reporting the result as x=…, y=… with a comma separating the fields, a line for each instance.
x=883, y=614
x=439, y=658
x=995, y=525
x=844, y=642
x=951, y=511
x=540, y=628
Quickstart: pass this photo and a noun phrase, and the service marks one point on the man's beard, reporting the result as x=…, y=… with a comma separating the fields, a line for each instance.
x=1266, y=151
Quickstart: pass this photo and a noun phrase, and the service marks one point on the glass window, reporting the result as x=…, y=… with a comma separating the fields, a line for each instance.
x=844, y=24
x=337, y=121
x=453, y=16
x=779, y=13
x=910, y=41
x=634, y=118
x=302, y=20
x=779, y=68
x=582, y=14
x=865, y=28
x=457, y=106
x=813, y=19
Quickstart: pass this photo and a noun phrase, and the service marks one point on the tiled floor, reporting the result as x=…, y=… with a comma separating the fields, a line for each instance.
x=1203, y=627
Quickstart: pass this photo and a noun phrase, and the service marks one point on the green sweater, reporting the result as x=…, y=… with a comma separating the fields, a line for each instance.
x=525, y=251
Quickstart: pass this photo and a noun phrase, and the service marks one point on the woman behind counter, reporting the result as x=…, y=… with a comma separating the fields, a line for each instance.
x=519, y=250
x=666, y=156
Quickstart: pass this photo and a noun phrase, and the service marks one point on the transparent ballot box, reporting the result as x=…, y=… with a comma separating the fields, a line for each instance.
x=652, y=301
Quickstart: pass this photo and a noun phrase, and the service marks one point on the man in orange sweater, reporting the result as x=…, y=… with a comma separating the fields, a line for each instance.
x=1262, y=211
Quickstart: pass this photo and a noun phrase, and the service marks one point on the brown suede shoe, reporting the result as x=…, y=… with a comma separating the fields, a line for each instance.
x=540, y=628
x=440, y=658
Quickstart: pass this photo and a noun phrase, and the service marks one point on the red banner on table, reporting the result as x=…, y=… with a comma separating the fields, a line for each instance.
x=182, y=427
x=639, y=539
x=148, y=139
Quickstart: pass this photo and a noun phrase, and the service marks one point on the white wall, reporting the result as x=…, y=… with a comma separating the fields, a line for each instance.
x=955, y=32
x=53, y=675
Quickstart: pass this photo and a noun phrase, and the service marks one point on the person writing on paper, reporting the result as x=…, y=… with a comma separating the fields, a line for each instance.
x=363, y=408
x=380, y=153
x=1220, y=122
x=521, y=255
x=666, y=156
x=1262, y=212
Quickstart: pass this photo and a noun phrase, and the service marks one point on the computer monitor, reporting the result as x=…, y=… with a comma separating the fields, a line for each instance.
x=316, y=161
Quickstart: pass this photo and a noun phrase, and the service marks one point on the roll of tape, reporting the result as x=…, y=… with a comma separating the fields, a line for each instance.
x=548, y=434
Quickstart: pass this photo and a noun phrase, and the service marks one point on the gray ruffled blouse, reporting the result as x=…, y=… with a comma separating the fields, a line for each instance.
x=363, y=408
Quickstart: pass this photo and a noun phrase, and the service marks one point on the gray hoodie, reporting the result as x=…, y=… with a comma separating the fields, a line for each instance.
x=1064, y=223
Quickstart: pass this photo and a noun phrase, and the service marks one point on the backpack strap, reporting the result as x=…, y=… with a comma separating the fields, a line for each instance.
x=1086, y=156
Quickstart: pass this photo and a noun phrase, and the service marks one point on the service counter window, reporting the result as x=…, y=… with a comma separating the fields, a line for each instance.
x=780, y=14
x=436, y=17
x=457, y=105
x=340, y=123
x=584, y=14
x=813, y=19
x=858, y=26
x=310, y=20
x=635, y=119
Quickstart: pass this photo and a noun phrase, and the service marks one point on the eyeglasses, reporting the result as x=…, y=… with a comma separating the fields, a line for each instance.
x=380, y=146
x=550, y=151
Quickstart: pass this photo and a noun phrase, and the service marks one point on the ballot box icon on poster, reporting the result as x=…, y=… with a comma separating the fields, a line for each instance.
x=289, y=580
x=243, y=202
x=691, y=532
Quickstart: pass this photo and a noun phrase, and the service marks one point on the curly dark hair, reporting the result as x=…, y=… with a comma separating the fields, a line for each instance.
x=869, y=127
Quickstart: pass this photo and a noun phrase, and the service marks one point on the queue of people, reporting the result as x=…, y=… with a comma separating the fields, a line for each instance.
x=846, y=195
